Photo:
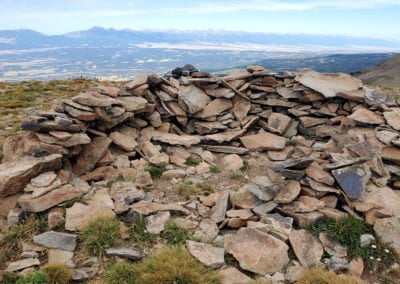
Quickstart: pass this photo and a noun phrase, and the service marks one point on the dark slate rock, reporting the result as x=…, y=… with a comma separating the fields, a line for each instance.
x=129, y=253
x=353, y=179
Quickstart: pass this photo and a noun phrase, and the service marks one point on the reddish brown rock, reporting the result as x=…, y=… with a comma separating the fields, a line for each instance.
x=256, y=251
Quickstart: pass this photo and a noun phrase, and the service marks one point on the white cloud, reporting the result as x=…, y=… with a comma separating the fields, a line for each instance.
x=275, y=5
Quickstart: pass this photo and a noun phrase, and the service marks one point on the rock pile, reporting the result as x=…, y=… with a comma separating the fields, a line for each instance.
x=327, y=146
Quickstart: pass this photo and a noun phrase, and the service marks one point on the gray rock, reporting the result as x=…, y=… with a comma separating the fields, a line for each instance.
x=52, y=239
x=14, y=176
x=155, y=224
x=123, y=252
x=353, y=179
x=220, y=207
x=22, y=264
x=207, y=254
x=366, y=239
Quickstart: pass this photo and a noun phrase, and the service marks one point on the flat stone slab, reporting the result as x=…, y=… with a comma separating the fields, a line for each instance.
x=22, y=264
x=124, y=252
x=52, y=239
x=207, y=254
x=14, y=176
x=256, y=251
x=353, y=179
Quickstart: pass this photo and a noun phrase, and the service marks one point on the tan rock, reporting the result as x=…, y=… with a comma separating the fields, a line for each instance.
x=174, y=139
x=263, y=141
x=207, y=254
x=307, y=248
x=14, y=176
x=194, y=98
x=91, y=154
x=332, y=247
x=388, y=230
x=146, y=208
x=288, y=192
x=132, y=103
x=125, y=142
x=79, y=215
x=232, y=162
x=256, y=251
x=364, y=115
x=231, y=275
x=331, y=85
x=63, y=257
x=214, y=108
x=278, y=123
x=356, y=267
x=51, y=199
x=124, y=194
x=317, y=173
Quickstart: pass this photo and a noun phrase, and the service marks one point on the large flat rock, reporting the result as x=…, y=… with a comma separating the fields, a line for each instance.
x=14, y=176
x=331, y=85
x=263, y=141
x=256, y=251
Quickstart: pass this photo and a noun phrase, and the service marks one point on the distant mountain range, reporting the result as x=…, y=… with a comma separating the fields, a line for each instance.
x=100, y=37
x=121, y=54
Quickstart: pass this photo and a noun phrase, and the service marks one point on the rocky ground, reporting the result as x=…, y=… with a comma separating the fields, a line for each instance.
x=261, y=177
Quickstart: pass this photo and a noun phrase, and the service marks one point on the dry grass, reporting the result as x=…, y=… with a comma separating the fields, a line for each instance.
x=57, y=274
x=10, y=241
x=173, y=265
x=321, y=276
x=189, y=189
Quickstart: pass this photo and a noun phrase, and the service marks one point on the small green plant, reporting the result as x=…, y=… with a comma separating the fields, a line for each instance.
x=119, y=273
x=215, y=169
x=9, y=242
x=188, y=189
x=156, y=172
x=192, y=161
x=11, y=278
x=321, y=276
x=57, y=274
x=99, y=234
x=35, y=277
x=139, y=234
x=173, y=265
x=245, y=166
x=175, y=235
x=347, y=231
x=117, y=179
x=236, y=176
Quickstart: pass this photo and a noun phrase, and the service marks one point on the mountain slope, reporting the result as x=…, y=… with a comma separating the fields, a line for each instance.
x=385, y=74
x=100, y=37
x=346, y=63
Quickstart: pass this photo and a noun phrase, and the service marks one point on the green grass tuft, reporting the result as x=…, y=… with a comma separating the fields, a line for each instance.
x=347, y=231
x=100, y=234
x=236, y=176
x=215, y=169
x=139, y=234
x=192, y=161
x=175, y=235
x=156, y=172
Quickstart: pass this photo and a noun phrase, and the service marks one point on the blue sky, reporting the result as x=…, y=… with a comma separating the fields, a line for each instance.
x=371, y=18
